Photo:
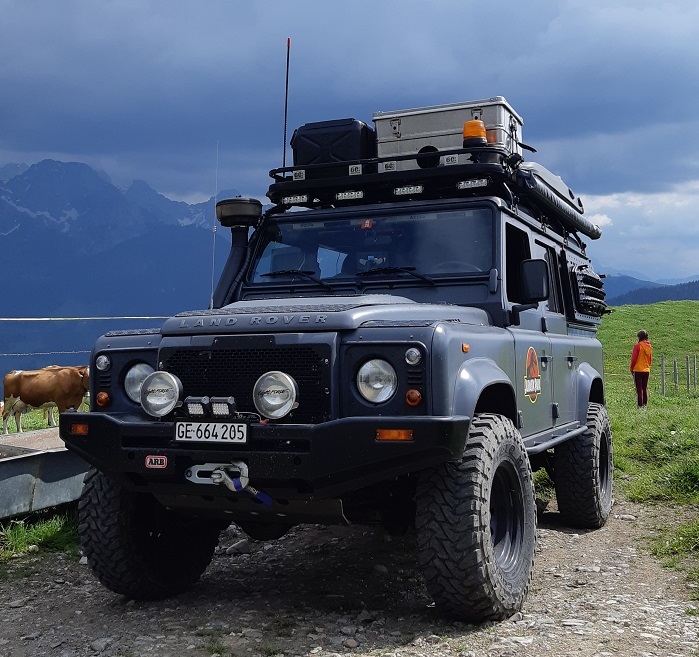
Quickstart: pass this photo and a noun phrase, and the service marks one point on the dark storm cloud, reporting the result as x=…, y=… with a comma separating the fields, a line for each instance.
x=164, y=82
x=151, y=90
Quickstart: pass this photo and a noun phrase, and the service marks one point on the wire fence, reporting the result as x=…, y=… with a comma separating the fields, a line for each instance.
x=30, y=343
x=670, y=375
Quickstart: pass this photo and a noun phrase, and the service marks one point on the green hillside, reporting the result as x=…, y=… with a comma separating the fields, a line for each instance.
x=673, y=327
x=656, y=450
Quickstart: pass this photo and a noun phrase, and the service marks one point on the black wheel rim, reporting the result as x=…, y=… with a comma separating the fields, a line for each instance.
x=506, y=516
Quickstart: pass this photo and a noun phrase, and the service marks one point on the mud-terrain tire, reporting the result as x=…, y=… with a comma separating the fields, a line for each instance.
x=476, y=525
x=137, y=547
x=583, y=470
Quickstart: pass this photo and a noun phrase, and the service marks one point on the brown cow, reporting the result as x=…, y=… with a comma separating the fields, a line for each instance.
x=63, y=386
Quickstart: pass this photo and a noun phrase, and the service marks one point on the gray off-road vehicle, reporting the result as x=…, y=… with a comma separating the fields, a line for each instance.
x=403, y=337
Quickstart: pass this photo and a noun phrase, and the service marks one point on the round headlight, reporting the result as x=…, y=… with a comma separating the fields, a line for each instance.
x=275, y=395
x=160, y=393
x=134, y=380
x=377, y=381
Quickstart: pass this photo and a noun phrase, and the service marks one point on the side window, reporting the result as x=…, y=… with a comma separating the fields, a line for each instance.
x=554, y=304
x=516, y=251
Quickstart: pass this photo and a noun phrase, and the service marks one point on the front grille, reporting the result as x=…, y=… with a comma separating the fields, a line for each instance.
x=222, y=372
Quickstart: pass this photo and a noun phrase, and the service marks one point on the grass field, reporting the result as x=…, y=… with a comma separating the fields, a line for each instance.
x=656, y=449
x=33, y=419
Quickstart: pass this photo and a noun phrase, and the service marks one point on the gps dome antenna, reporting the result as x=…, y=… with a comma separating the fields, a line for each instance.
x=286, y=97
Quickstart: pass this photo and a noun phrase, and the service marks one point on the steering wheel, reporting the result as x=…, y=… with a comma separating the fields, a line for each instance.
x=453, y=266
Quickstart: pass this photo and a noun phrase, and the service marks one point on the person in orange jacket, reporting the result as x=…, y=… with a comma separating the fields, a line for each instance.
x=641, y=358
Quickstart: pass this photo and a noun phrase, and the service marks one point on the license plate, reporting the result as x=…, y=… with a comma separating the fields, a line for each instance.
x=212, y=432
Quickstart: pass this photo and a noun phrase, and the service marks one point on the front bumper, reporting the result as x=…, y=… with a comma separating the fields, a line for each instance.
x=286, y=461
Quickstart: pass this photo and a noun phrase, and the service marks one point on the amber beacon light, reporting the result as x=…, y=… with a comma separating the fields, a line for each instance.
x=475, y=133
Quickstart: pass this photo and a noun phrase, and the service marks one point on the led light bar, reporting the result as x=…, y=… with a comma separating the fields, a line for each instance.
x=294, y=200
x=196, y=406
x=349, y=196
x=470, y=184
x=223, y=406
x=408, y=189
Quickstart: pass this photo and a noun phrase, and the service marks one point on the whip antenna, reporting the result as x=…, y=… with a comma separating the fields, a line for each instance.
x=286, y=96
x=213, y=246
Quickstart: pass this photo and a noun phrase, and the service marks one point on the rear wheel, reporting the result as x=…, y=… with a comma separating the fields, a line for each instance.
x=137, y=547
x=583, y=472
x=476, y=524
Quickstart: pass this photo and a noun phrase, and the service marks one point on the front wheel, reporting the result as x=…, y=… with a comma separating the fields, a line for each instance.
x=137, y=547
x=476, y=524
x=583, y=470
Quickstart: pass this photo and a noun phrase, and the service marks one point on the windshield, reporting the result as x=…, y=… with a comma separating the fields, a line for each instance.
x=426, y=243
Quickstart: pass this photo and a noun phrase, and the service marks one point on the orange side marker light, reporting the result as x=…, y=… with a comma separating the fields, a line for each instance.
x=405, y=435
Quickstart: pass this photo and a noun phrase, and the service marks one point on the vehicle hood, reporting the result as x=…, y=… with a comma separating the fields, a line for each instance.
x=320, y=314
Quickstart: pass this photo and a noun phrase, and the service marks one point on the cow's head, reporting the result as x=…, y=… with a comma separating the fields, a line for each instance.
x=85, y=374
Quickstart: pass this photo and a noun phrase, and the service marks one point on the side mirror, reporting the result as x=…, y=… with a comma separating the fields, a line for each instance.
x=238, y=212
x=534, y=275
x=534, y=279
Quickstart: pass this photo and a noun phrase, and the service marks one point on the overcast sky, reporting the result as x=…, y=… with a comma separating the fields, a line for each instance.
x=163, y=90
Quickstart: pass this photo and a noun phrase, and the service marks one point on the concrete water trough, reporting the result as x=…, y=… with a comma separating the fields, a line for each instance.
x=37, y=472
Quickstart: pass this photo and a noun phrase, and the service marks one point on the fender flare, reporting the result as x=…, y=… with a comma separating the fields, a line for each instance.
x=473, y=377
x=587, y=377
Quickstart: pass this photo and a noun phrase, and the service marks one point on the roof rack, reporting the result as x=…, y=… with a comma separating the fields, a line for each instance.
x=489, y=171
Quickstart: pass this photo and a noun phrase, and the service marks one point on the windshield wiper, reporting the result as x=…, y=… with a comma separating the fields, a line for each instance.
x=310, y=275
x=396, y=270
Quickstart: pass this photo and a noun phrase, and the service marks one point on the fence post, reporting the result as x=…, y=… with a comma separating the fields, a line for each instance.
x=675, y=373
x=662, y=374
x=687, y=358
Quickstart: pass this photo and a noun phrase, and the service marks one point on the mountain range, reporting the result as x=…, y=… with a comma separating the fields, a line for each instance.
x=74, y=245
x=74, y=240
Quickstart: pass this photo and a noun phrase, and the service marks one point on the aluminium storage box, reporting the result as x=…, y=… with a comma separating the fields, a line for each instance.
x=440, y=127
x=332, y=143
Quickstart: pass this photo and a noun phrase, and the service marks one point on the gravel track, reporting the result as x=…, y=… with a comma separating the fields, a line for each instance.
x=353, y=590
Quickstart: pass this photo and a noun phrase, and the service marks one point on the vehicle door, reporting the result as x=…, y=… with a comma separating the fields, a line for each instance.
x=562, y=365
x=533, y=348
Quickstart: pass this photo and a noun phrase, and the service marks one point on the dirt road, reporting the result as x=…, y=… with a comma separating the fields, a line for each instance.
x=352, y=590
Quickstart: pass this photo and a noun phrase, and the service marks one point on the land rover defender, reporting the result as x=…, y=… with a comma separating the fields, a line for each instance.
x=402, y=337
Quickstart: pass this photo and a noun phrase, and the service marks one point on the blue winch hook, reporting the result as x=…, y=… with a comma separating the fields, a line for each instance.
x=239, y=483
